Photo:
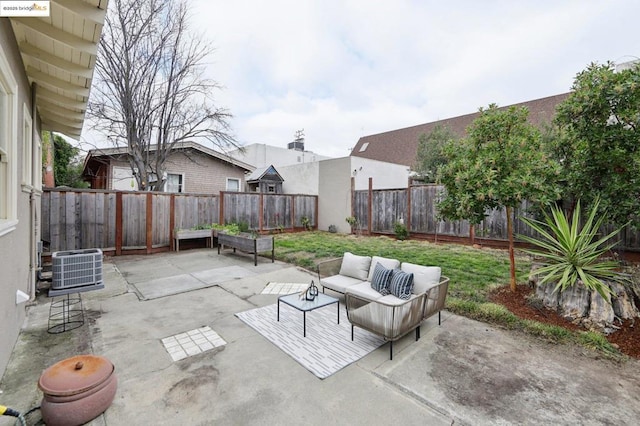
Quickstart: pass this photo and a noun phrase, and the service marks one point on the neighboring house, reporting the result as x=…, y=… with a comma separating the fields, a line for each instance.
x=401, y=146
x=331, y=180
x=46, y=69
x=261, y=155
x=266, y=180
x=190, y=167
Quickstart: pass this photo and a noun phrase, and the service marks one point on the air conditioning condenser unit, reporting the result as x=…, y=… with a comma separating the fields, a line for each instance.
x=76, y=271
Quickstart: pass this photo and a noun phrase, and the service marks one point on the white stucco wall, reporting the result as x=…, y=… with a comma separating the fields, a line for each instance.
x=17, y=243
x=331, y=181
x=262, y=155
x=385, y=175
x=334, y=194
x=300, y=178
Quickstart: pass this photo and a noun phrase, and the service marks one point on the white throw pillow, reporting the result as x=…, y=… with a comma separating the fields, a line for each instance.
x=424, y=277
x=355, y=266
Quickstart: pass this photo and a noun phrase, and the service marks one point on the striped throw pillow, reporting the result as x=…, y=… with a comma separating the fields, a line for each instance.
x=381, y=279
x=401, y=284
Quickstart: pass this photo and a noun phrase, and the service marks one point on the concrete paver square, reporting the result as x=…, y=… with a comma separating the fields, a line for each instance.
x=220, y=275
x=168, y=286
x=192, y=342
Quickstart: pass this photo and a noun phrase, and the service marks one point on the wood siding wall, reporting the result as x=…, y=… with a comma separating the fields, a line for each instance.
x=143, y=222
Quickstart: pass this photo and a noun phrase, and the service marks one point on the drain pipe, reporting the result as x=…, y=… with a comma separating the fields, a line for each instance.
x=33, y=214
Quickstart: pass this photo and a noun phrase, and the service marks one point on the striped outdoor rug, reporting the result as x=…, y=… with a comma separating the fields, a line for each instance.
x=326, y=349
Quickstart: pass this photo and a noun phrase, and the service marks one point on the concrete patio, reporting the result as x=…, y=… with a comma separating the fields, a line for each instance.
x=462, y=372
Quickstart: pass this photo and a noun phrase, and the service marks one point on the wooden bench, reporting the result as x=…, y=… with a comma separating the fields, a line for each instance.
x=190, y=234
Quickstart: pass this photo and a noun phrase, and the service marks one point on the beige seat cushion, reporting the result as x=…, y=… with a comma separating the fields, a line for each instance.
x=339, y=283
x=390, y=299
x=364, y=291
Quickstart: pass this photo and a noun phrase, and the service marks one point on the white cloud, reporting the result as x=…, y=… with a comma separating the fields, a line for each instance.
x=346, y=69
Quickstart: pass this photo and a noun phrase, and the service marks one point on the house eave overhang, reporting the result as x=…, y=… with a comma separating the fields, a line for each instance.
x=59, y=55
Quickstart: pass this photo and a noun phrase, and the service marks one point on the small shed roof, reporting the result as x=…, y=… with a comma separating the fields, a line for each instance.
x=265, y=173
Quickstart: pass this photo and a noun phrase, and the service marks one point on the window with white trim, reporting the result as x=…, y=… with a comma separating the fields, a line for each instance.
x=27, y=149
x=233, y=185
x=8, y=147
x=174, y=183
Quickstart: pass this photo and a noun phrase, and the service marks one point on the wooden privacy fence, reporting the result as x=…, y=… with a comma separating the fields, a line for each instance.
x=144, y=222
x=378, y=210
x=269, y=212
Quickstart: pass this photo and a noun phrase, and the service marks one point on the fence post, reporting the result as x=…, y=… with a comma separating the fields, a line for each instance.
x=221, y=203
x=118, y=223
x=408, y=221
x=370, y=207
x=316, y=212
x=149, y=222
x=293, y=212
x=261, y=211
x=352, y=200
x=172, y=219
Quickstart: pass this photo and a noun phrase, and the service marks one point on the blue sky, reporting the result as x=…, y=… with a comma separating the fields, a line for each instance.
x=345, y=69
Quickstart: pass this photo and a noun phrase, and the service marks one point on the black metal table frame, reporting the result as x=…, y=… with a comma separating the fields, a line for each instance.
x=304, y=311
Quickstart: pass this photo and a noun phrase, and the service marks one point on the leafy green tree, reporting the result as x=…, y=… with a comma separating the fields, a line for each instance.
x=501, y=163
x=67, y=166
x=598, y=142
x=430, y=154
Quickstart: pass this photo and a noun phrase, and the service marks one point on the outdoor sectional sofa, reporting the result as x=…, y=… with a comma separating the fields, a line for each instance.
x=383, y=296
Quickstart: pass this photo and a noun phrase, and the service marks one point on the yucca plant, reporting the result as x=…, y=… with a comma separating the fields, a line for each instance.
x=569, y=253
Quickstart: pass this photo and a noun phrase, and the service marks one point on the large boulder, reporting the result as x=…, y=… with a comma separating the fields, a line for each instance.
x=580, y=305
x=573, y=303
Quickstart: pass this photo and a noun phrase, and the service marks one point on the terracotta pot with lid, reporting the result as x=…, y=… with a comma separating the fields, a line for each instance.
x=77, y=390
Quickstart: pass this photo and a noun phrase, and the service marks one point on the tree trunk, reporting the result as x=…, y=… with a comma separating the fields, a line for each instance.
x=512, y=258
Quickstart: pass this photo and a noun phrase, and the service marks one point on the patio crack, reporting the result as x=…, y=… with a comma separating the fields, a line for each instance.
x=419, y=399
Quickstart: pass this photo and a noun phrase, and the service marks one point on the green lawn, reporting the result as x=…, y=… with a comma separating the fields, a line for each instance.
x=473, y=273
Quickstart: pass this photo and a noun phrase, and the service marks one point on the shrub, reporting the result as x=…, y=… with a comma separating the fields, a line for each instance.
x=570, y=254
x=352, y=220
x=306, y=223
x=401, y=231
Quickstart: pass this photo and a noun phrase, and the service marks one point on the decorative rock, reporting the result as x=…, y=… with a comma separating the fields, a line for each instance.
x=549, y=297
x=623, y=305
x=574, y=302
x=601, y=312
x=588, y=308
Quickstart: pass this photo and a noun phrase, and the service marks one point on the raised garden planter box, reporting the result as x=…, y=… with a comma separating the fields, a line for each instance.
x=189, y=234
x=247, y=243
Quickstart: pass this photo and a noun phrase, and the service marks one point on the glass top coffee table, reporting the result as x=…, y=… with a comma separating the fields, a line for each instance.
x=303, y=305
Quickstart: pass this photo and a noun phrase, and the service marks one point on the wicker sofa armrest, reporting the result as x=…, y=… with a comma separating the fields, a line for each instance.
x=330, y=267
x=391, y=321
x=436, y=298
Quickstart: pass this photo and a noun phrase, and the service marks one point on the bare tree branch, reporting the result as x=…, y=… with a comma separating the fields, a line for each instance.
x=150, y=93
